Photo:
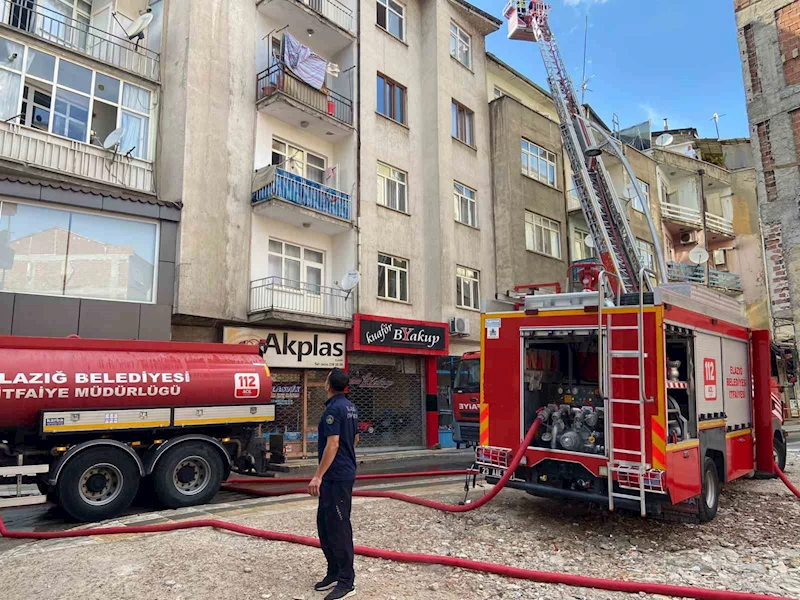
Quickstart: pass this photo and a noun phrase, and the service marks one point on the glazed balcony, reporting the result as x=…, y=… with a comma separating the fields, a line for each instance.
x=50, y=26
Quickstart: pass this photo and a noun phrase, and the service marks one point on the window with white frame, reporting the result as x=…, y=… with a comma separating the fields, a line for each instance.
x=392, y=188
x=465, y=205
x=294, y=266
x=52, y=94
x=392, y=278
x=392, y=17
x=81, y=254
x=460, y=45
x=580, y=251
x=463, y=119
x=500, y=92
x=635, y=202
x=538, y=163
x=468, y=288
x=542, y=235
x=294, y=159
x=647, y=254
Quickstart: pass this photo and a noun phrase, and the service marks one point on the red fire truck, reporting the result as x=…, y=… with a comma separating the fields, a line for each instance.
x=466, y=390
x=87, y=421
x=647, y=404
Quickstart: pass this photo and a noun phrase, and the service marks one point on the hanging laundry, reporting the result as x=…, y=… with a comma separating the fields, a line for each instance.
x=305, y=63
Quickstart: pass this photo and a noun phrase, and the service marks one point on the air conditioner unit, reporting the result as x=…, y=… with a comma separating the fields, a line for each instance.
x=689, y=237
x=459, y=326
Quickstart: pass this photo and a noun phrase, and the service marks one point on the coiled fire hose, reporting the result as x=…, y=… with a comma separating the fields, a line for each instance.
x=407, y=557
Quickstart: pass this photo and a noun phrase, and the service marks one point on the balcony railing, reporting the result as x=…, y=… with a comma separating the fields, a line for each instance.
x=304, y=192
x=54, y=153
x=725, y=280
x=333, y=11
x=681, y=214
x=276, y=293
x=280, y=79
x=680, y=272
x=79, y=37
x=719, y=224
x=697, y=274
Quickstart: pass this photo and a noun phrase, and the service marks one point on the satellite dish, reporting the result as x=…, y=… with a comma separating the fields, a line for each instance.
x=698, y=255
x=112, y=139
x=664, y=140
x=588, y=241
x=350, y=280
x=139, y=25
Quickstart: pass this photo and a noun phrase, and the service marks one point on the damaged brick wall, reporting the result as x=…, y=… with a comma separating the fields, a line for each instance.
x=787, y=20
x=767, y=160
x=776, y=270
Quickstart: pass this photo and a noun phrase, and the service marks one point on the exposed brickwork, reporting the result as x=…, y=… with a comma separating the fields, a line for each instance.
x=752, y=59
x=787, y=20
x=776, y=268
x=741, y=4
x=767, y=160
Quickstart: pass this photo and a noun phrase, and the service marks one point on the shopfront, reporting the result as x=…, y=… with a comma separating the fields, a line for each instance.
x=299, y=362
x=393, y=380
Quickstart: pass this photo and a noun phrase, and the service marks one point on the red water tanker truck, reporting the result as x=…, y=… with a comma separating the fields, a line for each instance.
x=91, y=420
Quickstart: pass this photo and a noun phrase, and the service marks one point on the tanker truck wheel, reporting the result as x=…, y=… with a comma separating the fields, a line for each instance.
x=98, y=483
x=187, y=475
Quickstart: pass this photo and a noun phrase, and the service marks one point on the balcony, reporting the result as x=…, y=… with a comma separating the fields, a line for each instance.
x=282, y=94
x=684, y=217
x=719, y=227
x=35, y=148
x=722, y=280
x=332, y=22
x=321, y=208
x=55, y=28
x=275, y=298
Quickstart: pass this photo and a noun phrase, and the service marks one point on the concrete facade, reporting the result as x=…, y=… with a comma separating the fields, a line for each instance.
x=428, y=235
x=769, y=48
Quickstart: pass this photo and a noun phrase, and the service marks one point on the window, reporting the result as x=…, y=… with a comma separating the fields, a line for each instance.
x=392, y=18
x=293, y=266
x=647, y=254
x=462, y=123
x=66, y=21
x=538, y=163
x=465, y=205
x=392, y=278
x=542, y=235
x=61, y=97
x=391, y=99
x=580, y=251
x=80, y=254
x=392, y=188
x=468, y=288
x=499, y=93
x=460, y=45
x=645, y=188
x=295, y=160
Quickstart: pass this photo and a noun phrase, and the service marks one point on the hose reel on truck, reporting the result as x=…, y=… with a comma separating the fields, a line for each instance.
x=176, y=417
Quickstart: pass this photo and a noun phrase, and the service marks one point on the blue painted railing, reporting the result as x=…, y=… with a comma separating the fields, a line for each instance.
x=697, y=274
x=304, y=192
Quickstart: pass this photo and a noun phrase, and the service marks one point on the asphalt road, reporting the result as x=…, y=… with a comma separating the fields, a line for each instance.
x=47, y=517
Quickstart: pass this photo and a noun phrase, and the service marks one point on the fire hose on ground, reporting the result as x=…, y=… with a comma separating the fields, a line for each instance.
x=407, y=557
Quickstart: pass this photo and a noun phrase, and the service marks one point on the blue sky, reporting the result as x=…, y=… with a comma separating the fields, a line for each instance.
x=650, y=59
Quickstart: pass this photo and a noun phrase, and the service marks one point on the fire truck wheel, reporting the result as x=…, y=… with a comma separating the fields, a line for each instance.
x=187, y=475
x=98, y=483
x=709, y=496
x=779, y=453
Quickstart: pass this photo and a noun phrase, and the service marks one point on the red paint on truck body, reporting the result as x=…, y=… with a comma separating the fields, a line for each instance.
x=63, y=374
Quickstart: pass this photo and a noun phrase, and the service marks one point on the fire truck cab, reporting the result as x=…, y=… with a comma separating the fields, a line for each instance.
x=649, y=403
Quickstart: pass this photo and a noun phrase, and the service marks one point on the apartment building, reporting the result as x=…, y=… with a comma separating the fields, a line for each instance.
x=769, y=46
x=87, y=245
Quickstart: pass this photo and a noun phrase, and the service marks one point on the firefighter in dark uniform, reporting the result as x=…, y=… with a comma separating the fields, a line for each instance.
x=333, y=484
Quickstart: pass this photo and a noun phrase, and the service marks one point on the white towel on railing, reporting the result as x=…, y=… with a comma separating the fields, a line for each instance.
x=304, y=62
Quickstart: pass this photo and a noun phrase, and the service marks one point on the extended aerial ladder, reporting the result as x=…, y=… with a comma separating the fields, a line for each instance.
x=624, y=269
x=601, y=205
